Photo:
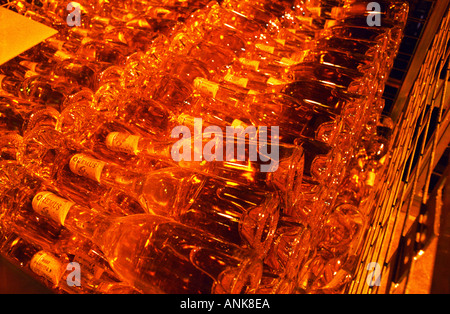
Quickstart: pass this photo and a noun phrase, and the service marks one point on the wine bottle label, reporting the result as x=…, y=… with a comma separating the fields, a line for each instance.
x=274, y=81
x=48, y=266
x=52, y=206
x=315, y=10
x=240, y=81
x=87, y=167
x=253, y=64
x=336, y=13
x=288, y=62
x=306, y=20
x=281, y=41
x=266, y=48
x=370, y=181
x=123, y=142
x=205, y=86
x=86, y=40
x=329, y=23
x=61, y=56
x=299, y=57
x=292, y=30
x=80, y=31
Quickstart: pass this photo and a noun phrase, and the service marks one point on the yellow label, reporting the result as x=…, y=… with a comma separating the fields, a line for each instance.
x=240, y=81
x=288, y=62
x=274, y=81
x=205, y=86
x=87, y=166
x=48, y=266
x=61, y=55
x=123, y=142
x=305, y=20
x=254, y=64
x=315, y=10
x=52, y=206
x=299, y=57
x=265, y=48
x=86, y=40
x=329, y=23
x=371, y=176
x=337, y=13
x=281, y=41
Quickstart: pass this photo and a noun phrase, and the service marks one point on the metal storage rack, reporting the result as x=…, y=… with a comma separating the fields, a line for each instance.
x=408, y=236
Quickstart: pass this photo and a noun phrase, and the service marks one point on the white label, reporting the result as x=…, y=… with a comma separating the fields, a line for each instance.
x=52, y=206
x=254, y=64
x=86, y=166
x=123, y=142
x=240, y=81
x=46, y=265
x=205, y=86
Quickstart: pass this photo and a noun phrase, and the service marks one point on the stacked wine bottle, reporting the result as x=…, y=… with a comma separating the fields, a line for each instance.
x=106, y=128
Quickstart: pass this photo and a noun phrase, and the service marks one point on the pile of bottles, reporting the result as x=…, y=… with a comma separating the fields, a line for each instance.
x=113, y=136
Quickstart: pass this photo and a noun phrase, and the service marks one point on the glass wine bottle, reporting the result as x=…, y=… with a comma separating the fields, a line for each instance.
x=158, y=255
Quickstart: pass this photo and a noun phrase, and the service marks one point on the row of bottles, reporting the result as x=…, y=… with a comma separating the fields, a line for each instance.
x=114, y=149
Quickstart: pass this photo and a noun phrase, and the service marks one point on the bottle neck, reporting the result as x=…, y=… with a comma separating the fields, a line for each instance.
x=107, y=174
x=88, y=222
x=140, y=146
